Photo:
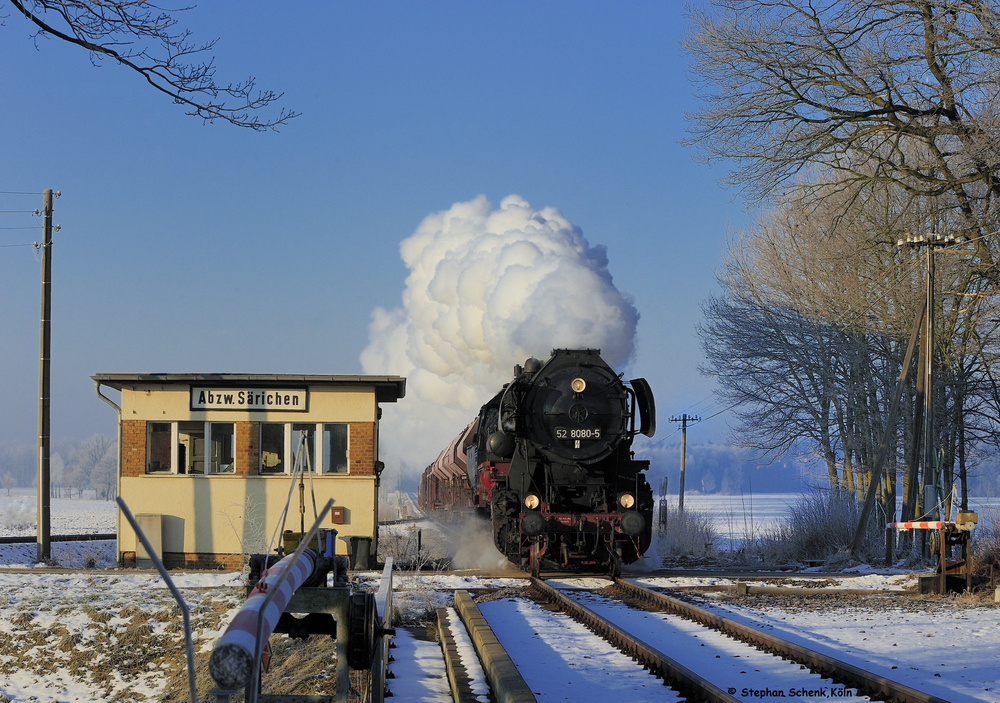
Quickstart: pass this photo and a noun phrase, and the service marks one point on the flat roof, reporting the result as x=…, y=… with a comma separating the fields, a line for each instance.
x=388, y=389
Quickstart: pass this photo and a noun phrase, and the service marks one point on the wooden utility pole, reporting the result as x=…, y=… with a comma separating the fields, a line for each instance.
x=45, y=344
x=930, y=497
x=684, y=420
x=933, y=243
x=923, y=432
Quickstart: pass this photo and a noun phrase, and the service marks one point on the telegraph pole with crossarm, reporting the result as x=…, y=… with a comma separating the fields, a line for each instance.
x=684, y=419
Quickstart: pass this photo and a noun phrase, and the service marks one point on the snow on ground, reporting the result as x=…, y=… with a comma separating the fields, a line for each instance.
x=66, y=516
x=53, y=628
x=864, y=580
x=419, y=670
x=94, y=637
x=731, y=664
x=561, y=660
x=466, y=653
x=943, y=646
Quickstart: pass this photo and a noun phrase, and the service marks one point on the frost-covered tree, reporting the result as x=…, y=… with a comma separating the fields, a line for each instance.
x=7, y=481
x=19, y=459
x=91, y=461
x=103, y=478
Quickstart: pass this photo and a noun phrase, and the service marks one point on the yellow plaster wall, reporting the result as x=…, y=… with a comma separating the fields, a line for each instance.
x=167, y=403
x=217, y=514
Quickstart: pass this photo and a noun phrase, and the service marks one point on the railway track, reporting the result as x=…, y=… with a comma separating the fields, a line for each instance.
x=697, y=653
x=22, y=539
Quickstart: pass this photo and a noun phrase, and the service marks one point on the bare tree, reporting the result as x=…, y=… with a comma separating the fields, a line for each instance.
x=875, y=91
x=146, y=38
x=808, y=337
x=775, y=366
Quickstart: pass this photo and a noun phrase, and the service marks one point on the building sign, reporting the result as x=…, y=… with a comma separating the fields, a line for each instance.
x=276, y=399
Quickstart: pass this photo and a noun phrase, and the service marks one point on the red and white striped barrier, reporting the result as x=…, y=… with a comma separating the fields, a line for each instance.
x=231, y=663
x=934, y=525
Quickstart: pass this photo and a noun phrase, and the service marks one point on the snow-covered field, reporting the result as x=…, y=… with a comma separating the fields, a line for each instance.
x=66, y=517
x=100, y=637
x=736, y=517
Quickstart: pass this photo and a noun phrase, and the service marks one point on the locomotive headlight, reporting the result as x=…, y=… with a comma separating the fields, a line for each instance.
x=578, y=385
x=626, y=500
x=531, y=501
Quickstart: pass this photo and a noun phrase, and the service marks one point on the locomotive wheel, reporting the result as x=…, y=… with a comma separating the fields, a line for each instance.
x=499, y=531
x=616, y=564
x=361, y=631
x=503, y=512
x=535, y=559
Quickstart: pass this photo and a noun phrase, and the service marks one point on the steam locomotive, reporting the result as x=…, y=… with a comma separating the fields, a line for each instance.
x=549, y=462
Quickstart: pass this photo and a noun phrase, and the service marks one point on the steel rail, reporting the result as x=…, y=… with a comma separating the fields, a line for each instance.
x=690, y=683
x=92, y=537
x=865, y=682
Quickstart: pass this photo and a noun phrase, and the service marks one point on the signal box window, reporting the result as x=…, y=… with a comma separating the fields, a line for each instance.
x=272, y=448
x=157, y=447
x=335, y=448
x=306, y=433
x=222, y=434
x=191, y=447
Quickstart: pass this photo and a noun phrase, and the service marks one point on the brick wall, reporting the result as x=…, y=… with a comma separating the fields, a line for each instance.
x=193, y=560
x=247, y=448
x=362, y=448
x=133, y=447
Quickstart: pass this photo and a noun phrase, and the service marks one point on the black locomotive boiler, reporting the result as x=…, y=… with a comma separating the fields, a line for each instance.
x=549, y=462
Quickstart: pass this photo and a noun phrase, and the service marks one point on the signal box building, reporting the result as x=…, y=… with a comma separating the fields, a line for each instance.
x=206, y=460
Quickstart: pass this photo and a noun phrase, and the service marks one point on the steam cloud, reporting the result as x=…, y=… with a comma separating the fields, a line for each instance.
x=486, y=290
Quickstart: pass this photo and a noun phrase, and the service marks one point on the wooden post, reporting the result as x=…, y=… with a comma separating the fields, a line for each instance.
x=44, y=552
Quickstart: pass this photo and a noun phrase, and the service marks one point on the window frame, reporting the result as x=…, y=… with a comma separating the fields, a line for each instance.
x=171, y=448
x=319, y=467
x=210, y=459
x=317, y=459
x=284, y=450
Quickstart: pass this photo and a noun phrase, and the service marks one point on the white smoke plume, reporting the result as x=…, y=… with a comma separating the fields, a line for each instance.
x=486, y=290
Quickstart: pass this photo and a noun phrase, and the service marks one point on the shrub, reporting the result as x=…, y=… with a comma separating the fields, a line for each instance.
x=685, y=535
x=17, y=517
x=822, y=526
x=986, y=543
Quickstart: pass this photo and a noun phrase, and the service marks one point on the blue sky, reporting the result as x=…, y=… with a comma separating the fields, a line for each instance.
x=202, y=247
